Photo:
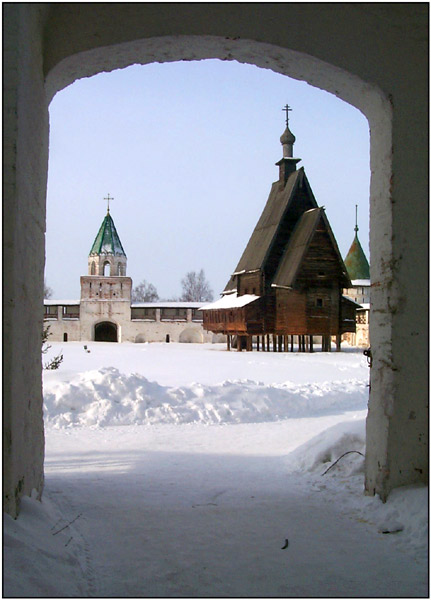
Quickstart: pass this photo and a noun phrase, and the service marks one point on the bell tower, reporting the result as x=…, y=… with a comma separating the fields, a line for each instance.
x=106, y=290
x=107, y=257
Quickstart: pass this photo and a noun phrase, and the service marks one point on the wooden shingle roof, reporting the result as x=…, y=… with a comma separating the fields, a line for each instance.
x=296, y=249
x=269, y=229
x=298, y=246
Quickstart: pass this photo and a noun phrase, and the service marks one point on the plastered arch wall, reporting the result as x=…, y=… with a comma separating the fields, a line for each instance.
x=372, y=56
x=191, y=335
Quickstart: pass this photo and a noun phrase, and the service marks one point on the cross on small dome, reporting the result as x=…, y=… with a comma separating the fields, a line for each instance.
x=287, y=139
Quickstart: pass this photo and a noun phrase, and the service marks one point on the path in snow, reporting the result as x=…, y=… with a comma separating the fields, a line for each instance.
x=167, y=512
x=200, y=502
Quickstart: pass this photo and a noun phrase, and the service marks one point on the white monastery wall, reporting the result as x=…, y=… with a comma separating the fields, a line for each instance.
x=94, y=311
x=60, y=325
x=156, y=331
x=374, y=56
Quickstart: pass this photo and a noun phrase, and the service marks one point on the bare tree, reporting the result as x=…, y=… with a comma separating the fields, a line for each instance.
x=47, y=291
x=196, y=288
x=145, y=292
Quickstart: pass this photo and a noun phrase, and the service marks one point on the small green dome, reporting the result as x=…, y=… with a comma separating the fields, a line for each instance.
x=356, y=262
x=107, y=240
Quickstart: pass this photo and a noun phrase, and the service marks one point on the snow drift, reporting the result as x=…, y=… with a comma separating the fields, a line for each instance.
x=107, y=397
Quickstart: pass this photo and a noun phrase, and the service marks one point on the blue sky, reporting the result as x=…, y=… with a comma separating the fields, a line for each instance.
x=188, y=151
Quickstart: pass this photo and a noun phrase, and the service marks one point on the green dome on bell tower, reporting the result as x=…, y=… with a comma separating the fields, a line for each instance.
x=356, y=262
x=107, y=239
x=107, y=256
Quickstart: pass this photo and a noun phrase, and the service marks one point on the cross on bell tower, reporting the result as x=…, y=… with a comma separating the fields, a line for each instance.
x=108, y=199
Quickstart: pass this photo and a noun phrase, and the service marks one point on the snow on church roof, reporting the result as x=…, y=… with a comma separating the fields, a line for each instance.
x=231, y=301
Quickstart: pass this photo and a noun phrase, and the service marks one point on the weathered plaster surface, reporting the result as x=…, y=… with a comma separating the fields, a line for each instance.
x=25, y=172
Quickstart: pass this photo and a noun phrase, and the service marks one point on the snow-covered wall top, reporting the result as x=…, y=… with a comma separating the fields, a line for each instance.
x=61, y=302
x=168, y=304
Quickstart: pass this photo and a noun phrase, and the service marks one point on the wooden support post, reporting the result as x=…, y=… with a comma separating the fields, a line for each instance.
x=249, y=343
x=257, y=342
x=267, y=343
x=280, y=343
x=326, y=343
x=307, y=341
x=311, y=343
x=339, y=342
x=291, y=343
x=228, y=342
x=238, y=343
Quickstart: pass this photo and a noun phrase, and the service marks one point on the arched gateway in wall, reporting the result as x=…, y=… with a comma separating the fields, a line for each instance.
x=105, y=332
x=353, y=51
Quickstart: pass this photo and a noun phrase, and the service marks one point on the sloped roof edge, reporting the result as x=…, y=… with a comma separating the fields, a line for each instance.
x=298, y=245
x=296, y=249
x=107, y=240
x=262, y=238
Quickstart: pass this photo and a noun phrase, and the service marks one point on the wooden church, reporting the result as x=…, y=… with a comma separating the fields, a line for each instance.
x=287, y=287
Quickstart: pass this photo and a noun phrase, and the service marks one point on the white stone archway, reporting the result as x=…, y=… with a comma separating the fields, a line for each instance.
x=356, y=54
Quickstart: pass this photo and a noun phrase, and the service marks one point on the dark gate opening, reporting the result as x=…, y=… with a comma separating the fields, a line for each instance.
x=105, y=332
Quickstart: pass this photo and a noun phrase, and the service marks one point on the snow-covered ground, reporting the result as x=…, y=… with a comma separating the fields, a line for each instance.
x=181, y=470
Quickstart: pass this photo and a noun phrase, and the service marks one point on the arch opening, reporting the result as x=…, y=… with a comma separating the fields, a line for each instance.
x=393, y=179
x=106, y=332
x=344, y=85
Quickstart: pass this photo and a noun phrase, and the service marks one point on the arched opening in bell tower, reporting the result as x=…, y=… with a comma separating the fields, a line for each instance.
x=106, y=269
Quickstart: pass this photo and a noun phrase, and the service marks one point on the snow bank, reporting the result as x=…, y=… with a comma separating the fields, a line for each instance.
x=41, y=559
x=335, y=461
x=318, y=454
x=108, y=397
